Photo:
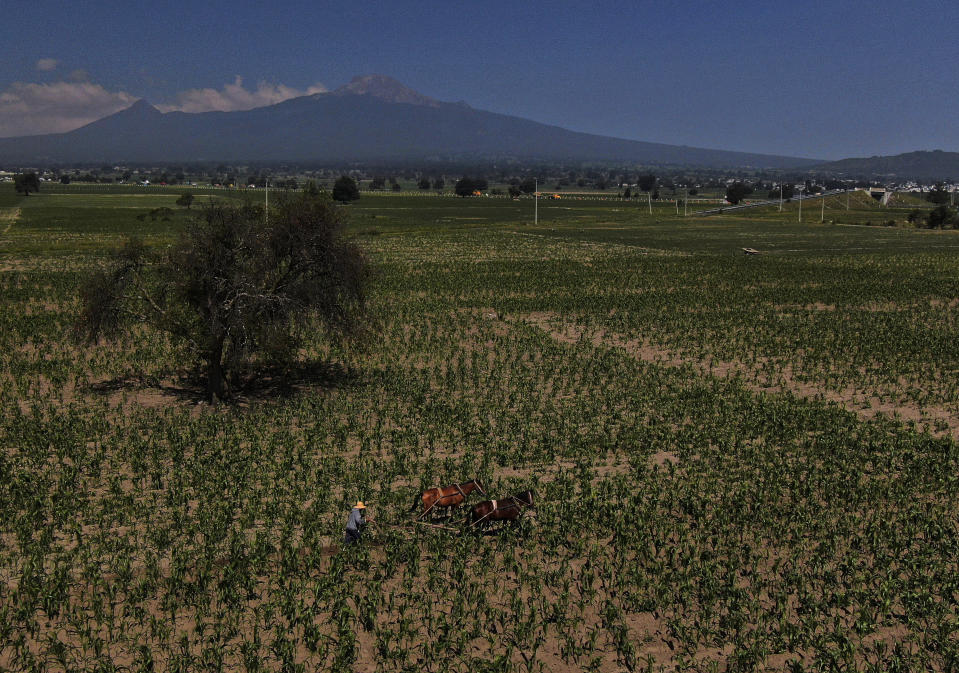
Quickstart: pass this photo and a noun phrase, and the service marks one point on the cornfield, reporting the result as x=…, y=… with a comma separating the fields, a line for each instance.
x=741, y=463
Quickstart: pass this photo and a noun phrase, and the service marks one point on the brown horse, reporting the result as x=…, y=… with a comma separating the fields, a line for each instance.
x=509, y=509
x=446, y=496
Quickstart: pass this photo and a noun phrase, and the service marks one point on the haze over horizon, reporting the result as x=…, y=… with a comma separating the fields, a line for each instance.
x=817, y=80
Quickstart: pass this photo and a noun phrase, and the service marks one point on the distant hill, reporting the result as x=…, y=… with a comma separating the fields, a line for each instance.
x=371, y=119
x=924, y=166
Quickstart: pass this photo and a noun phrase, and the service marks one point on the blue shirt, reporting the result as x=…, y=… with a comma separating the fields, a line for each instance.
x=356, y=520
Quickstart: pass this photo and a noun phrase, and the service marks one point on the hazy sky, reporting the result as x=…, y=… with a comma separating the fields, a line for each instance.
x=815, y=79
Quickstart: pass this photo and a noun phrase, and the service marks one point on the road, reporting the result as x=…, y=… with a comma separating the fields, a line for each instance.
x=770, y=202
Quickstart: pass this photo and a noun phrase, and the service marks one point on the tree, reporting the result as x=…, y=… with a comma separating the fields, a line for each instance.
x=424, y=183
x=185, y=200
x=64, y=179
x=377, y=183
x=737, y=191
x=628, y=194
x=646, y=182
x=235, y=289
x=528, y=185
x=438, y=184
x=465, y=186
x=514, y=191
x=942, y=216
x=938, y=195
x=25, y=183
x=788, y=192
x=345, y=189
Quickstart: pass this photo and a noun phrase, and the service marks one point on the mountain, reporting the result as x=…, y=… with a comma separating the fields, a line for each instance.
x=923, y=166
x=384, y=88
x=372, y=119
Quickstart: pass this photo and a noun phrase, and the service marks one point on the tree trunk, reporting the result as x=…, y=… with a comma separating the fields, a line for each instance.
x=215, y=381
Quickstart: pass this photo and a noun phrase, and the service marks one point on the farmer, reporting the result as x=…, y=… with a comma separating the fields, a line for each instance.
x=355, y=524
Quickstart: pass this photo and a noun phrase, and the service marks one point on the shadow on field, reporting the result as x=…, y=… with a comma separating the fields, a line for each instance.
x=148, y=390
x=280, y=382
x=259, y=385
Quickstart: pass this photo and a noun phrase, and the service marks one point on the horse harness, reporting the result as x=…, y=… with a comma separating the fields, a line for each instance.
x=439, y=489
x=440, y=497
x=514, y=502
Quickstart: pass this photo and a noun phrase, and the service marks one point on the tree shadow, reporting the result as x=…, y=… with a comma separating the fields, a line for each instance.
x=255, y=385
x=286, y=381
x=175, y=388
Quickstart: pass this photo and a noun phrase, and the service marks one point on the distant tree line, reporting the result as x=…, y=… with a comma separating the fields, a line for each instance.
x=442, y=174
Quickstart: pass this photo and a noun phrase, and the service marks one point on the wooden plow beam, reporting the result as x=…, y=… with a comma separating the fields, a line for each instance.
x=436, y=525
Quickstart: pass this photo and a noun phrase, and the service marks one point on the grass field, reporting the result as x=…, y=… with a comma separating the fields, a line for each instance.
x=740, y=462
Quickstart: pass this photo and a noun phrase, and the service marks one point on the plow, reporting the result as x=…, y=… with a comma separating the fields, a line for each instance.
x=480, y=517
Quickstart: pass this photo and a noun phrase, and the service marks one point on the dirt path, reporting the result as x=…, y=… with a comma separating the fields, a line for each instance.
x=865, y=405
x=8, y=216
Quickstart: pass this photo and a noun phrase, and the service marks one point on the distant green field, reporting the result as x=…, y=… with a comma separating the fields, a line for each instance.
x=8, y=197
x=740, y=462
x=629, y=223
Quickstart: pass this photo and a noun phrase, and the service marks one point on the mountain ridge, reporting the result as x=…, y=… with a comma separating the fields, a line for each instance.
x=921, y=165
x=372, y=118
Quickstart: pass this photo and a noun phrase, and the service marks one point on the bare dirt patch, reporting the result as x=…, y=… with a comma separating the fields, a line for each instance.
x=662, y=458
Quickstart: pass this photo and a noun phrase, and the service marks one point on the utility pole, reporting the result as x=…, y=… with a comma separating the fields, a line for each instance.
x=686, y=203
x=649, y=200
x=780, y=196
x=535, y=200
x=822, y=213
x=801, y=190
x=268, y=201
x=847, y=199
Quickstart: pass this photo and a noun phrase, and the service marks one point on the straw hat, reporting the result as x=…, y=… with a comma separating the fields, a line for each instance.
x=359, y=505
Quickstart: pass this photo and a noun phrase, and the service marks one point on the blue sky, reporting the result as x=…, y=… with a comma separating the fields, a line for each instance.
x=824, y=80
